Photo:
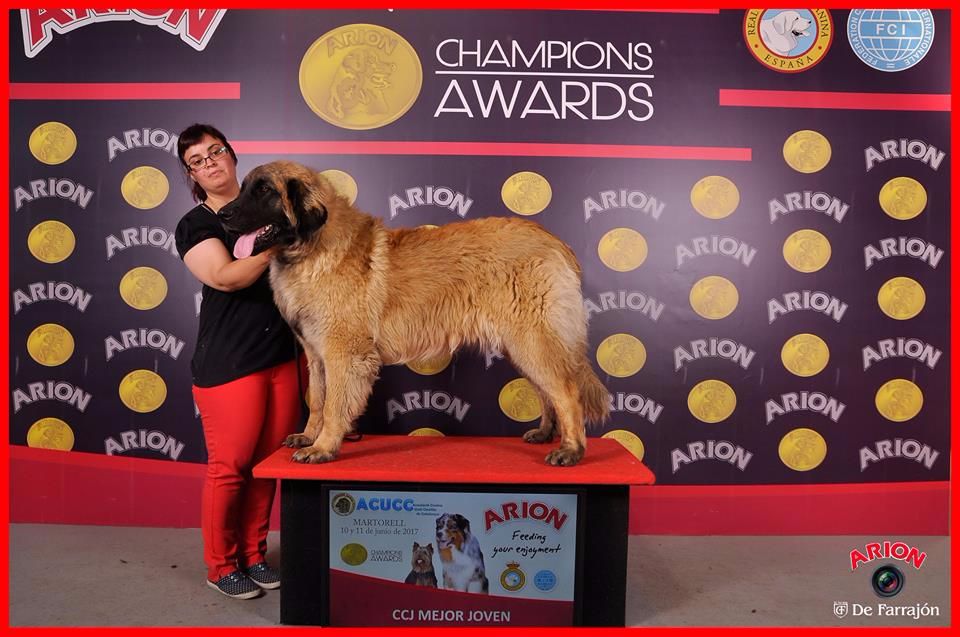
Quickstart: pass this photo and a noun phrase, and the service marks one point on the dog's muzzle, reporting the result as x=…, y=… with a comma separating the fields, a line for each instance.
x=255, y=242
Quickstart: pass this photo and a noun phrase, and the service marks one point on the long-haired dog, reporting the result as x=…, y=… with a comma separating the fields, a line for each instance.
x=460, y=555
x=359, y=295
x=421, y=566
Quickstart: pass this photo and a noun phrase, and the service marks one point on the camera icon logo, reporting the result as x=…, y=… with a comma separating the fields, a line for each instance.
x=887, y=580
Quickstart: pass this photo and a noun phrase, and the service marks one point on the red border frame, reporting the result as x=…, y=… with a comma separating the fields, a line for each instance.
x=506, y=4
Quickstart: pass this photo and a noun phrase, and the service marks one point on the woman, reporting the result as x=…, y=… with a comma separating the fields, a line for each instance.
x=244, y=373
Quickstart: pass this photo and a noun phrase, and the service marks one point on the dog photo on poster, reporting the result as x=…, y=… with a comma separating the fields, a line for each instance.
x=420, y=558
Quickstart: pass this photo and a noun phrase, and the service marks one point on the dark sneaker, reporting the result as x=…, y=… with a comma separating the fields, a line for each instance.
x=264, y=576
x=236, y=585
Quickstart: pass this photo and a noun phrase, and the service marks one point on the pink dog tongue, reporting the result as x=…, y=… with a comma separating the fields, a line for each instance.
x=244, y=245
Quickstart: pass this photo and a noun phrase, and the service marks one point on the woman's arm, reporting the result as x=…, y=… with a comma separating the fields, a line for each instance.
x=210, y=262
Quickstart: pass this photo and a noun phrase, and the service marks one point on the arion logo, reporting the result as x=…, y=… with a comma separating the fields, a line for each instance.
x=194, y=26
x=888, y=579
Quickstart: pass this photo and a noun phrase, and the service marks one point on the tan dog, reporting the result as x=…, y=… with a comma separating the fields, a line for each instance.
x=359, y=295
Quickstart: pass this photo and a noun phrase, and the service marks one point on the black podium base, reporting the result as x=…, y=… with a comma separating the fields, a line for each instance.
x=600, y=485
x=600, y=589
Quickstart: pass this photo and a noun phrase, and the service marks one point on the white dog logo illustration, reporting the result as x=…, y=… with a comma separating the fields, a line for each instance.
x=782, y=32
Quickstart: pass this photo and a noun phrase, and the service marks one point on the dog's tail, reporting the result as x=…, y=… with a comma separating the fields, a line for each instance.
x=596, y=399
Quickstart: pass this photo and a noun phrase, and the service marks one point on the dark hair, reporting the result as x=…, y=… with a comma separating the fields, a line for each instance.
x=192, y=135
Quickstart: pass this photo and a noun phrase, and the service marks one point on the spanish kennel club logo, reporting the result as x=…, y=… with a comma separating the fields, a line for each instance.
x=840, y=609
x=194, y=26
x=513, y=578
x=788, y=40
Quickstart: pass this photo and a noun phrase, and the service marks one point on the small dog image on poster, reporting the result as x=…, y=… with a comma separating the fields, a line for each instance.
x=421, y=571
x=460, y=555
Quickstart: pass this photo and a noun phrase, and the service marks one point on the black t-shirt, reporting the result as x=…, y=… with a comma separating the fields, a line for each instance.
x=240, y=332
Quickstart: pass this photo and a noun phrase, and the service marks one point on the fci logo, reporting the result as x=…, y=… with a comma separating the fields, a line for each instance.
x=840, y=609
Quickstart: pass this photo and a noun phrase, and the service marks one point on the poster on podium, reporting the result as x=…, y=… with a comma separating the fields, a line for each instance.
x=441, y=558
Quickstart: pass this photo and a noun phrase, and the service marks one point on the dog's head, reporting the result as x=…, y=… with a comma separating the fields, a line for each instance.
x=422, y=560
x=452, y=531
x=359, y=82
x=281, y=203
x=791, y=22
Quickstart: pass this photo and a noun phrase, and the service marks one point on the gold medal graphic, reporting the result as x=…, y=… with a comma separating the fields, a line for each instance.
x=806, y=250
x=629, y=440
x=142, y=391
x=431, y=366
x=51, y=241
x=143, y=288
x=802, y=449
x=901, y=298
x=806, y=151
x=52, y=143
x=715, y=197
x=903, y=198
x=526, y=193
x=145, y=187
x=621, y=355
x=622, y=249
x=714, y=297
x=805, y=355
x=711, y=401
x=899, y=400
x=360, y=76
x=342, y=182
x=50, y=433
x=520, y=401
x=50, y=344
x=426, y=431
x=353, y=554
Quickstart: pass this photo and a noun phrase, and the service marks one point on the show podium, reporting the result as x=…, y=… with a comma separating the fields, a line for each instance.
x=454, y=531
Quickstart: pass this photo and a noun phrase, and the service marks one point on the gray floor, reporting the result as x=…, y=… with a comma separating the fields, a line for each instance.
x=118, y=576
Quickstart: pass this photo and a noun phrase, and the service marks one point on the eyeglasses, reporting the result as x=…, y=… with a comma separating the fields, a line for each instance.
x=200, y=162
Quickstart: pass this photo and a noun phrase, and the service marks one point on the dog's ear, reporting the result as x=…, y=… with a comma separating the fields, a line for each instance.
x=463, y=523
x=415, y=546
x=429, y=548
x=309, y=215
x=780, y=22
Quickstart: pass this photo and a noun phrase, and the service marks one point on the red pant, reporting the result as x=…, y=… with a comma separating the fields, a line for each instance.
x=244, y=421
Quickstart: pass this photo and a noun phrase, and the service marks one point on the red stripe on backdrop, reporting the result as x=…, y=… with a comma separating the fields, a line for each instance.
x=126, y=91
x=505, y=149
x=87, y=488
x=820, y=509
x=849, y=101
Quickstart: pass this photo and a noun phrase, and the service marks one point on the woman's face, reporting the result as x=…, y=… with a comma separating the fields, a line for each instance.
x=217, y=174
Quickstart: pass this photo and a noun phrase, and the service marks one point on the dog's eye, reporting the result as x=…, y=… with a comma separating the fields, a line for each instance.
x=263, y=188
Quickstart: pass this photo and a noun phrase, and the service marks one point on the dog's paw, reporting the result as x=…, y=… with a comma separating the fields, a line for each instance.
x=297, y=440
x=537, y=436
x=312, y=455
x=563, y=457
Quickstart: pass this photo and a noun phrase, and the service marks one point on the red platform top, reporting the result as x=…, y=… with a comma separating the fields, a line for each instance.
x=460, y=459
